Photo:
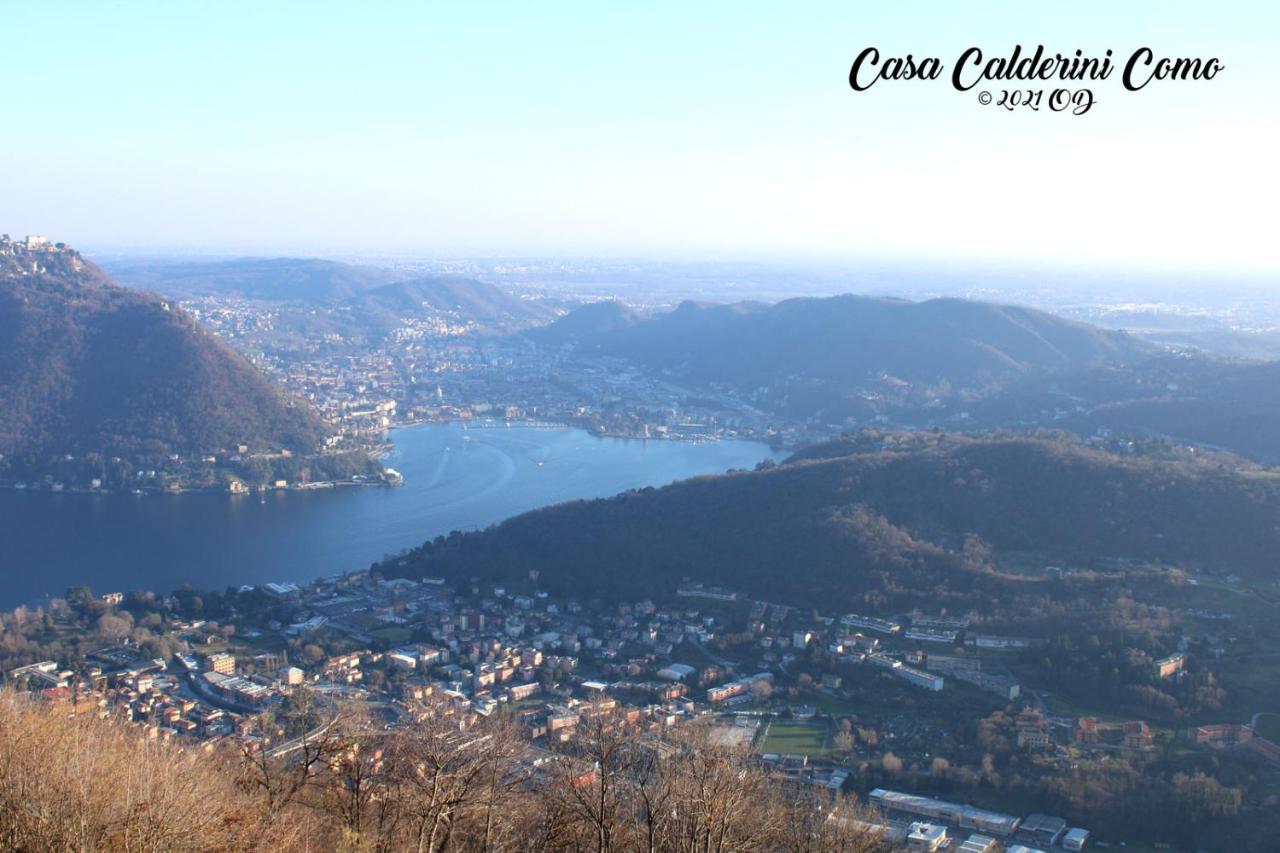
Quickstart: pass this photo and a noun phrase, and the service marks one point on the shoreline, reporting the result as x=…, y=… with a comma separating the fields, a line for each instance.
x=276, y=556
x=384, y=450
x=499, y=423
x=142, y=493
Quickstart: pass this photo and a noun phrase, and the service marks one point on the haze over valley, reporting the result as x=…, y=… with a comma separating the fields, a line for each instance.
x=566, y=427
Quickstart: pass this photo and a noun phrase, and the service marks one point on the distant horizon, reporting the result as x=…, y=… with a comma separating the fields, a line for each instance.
x=669, y=132
x=779, y=262
x=655, y=282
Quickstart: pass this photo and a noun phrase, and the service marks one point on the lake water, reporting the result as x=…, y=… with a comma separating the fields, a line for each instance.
x=456, y=479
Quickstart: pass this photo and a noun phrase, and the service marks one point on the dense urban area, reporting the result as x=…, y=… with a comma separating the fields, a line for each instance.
x=442, y=366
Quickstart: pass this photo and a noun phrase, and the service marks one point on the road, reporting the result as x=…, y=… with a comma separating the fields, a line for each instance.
x=298, y=742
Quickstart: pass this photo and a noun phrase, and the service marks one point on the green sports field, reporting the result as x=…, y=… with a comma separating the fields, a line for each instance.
x=799, y=738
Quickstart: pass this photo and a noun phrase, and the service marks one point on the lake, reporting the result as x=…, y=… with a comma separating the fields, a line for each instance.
x=455, y=479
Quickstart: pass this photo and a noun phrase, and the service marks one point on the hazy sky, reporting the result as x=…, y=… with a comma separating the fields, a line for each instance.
x=682, y=129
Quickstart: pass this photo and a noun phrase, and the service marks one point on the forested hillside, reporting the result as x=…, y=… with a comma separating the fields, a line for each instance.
x=855, y=356
x=1216, y=402
x=86, y=366
x=890, y=519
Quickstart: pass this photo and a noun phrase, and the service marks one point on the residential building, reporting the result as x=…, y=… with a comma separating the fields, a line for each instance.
x=920, y=678
x=1033, y=731
x=1222, y=734
x=222, y=663
x=1137, y=735
x=1085, y=731
x=1172, y=665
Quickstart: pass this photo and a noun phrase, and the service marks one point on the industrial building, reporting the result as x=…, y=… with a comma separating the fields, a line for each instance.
x=977, y=844
x=884, y=626
x=1043, y=829
x=926, y=837
x=1076, y=838
x=967, y=817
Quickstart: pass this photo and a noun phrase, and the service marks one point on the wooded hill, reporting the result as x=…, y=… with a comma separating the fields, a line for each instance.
x=851, y=356
x=1215, y=402
x=86, y=366
x=894, y=519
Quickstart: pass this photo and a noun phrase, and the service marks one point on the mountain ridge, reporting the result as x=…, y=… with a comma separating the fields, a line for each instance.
x=88, y=366
x=468, y=298
x=860, y=356
x=285, y=279
x=587, y=322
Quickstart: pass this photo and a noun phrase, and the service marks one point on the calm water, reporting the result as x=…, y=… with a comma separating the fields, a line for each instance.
x=455, y=480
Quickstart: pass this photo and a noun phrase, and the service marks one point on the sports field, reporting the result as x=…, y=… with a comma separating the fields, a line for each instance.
x=785, y=737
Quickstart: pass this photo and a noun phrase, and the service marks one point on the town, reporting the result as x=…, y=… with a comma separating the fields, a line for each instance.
x=439, y=365
x=870, y=705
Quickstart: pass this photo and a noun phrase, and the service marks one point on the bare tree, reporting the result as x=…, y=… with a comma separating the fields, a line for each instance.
x=438, y=772
x=353, y=782
x=591, y=779
x=73, y=781
x=280, y=774
x=79, y=782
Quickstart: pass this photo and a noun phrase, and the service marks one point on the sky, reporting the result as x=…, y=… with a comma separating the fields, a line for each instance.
x=685, y=130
